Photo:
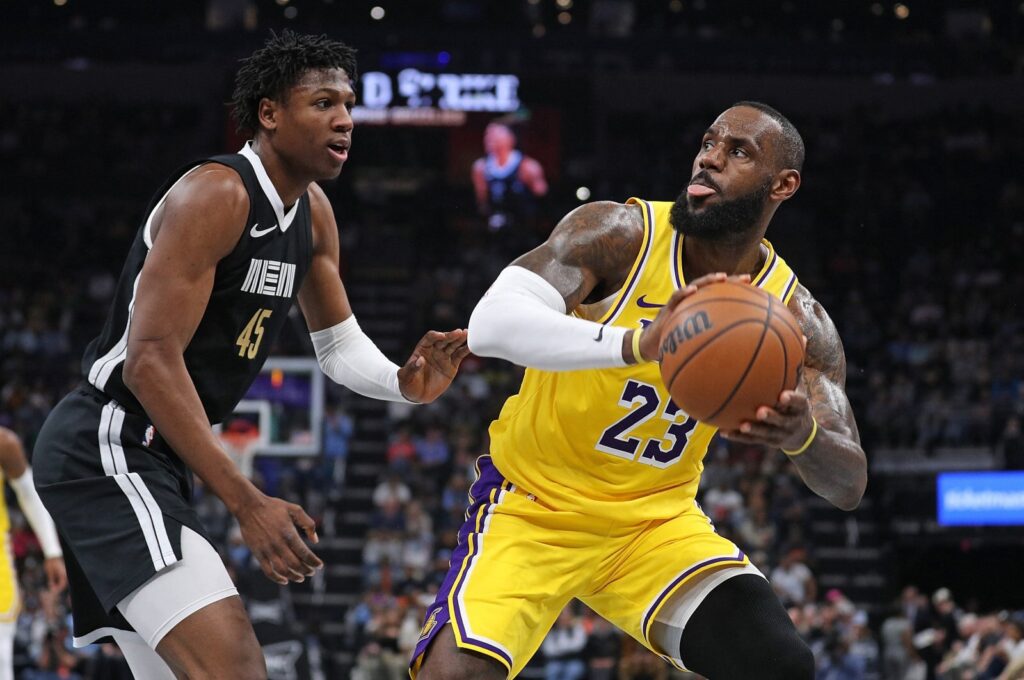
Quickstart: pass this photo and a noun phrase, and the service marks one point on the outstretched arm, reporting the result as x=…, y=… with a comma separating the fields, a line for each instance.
x=19, y=474
x=344, y=352
x=814, y=424
x=523, y=317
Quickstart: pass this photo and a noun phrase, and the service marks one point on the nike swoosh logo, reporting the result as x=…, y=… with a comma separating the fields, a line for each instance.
x=641, y=302
x=600, y=335
x=256, y=233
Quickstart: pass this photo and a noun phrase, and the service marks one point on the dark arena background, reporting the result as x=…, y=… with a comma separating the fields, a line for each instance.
x=909, y=228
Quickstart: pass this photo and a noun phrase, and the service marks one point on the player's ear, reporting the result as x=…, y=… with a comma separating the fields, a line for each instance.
x=266, y=112
x=785, y=184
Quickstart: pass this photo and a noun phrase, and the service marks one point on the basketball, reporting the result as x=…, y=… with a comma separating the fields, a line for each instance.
x=728, y=349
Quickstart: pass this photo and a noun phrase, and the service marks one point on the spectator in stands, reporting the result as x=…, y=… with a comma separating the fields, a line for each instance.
x=792, y=579
x=338, y=430
x=563, y=648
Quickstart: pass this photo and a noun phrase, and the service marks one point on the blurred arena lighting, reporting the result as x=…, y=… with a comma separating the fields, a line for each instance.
x=377, y=13
x=564, y=4
x=282, y=2
x=877, y=9
x=901, y=11
x=291, y=12
x=675, y=6
x=539, y=30
x=533, y=2
x=564, y=18
x=583, y=193
x=60, y=3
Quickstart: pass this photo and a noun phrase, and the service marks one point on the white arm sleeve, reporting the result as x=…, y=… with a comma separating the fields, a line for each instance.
x=36, y=514
x=522, y=319
x=348, y=357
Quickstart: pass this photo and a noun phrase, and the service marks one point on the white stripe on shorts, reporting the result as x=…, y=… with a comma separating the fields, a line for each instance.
x=148, y=513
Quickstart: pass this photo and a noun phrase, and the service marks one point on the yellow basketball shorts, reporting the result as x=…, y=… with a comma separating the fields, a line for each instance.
x=10, y=601
x=519, y=562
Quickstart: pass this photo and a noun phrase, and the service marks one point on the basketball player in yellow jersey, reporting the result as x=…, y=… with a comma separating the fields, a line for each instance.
x=15, y=469
x=589, y=490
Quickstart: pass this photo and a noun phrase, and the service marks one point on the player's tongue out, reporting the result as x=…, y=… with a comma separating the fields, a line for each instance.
x=699, y=190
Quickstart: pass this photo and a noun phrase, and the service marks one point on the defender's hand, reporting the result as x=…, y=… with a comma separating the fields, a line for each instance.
x=56, y=574
x=650, y=341
x=269, y=529
x=433, y=365
x=787, y=425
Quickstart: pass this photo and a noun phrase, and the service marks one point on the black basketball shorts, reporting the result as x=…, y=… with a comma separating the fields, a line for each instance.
x=119, y=497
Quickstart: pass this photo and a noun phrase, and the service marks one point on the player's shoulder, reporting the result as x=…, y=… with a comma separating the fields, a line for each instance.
x=212, y=185
x=604, y=217
x=824, y=346
x=806, y=308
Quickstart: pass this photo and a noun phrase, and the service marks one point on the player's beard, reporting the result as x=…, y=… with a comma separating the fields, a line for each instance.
x=722, y=220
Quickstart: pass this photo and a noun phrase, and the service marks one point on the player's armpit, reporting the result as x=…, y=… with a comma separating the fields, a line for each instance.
x=589, y=253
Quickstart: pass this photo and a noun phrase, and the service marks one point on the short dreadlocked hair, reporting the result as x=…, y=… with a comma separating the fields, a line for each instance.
x=276, y=67
x=791, y=152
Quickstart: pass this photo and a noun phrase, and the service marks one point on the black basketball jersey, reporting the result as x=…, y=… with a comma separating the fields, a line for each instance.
x=504, y=187
x=253, y=290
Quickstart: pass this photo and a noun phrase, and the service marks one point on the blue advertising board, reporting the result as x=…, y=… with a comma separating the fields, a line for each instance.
x=980, y=498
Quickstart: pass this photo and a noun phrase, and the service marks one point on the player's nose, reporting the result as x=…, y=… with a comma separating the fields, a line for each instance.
x=343, y=121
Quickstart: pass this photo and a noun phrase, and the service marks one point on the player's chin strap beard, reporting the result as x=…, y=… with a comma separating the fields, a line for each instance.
x=727, y=221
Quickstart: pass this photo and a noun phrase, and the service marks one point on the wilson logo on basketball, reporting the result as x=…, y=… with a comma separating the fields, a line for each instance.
x=693, y=325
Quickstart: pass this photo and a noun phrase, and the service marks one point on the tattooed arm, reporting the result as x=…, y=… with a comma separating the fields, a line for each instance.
x=833, y=465
x=522, y=318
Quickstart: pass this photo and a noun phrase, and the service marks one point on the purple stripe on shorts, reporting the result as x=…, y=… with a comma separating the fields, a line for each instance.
x=682, y=577
x=480, y=493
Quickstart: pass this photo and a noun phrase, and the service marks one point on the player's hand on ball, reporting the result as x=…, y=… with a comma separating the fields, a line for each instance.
x=433, y=365
x=787, y=425
x=650, y=341
x=269, y=529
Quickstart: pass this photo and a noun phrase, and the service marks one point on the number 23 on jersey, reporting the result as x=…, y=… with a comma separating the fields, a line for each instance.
x=645, y=402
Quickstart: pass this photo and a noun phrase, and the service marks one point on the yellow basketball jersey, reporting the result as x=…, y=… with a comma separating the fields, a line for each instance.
x=610, y=442
x=10, y=603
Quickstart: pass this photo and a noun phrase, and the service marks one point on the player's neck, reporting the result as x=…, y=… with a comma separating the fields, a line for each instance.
x=742, y=256
x=289, y=187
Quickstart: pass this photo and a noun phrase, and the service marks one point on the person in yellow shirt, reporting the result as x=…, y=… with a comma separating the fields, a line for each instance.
x=589, y=490
x=14, y=467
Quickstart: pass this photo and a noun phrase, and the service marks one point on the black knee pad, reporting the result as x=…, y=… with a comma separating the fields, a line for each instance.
x=741, y=631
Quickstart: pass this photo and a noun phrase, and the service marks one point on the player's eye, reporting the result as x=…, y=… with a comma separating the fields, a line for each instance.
x=349, y=106
x=740, y=152
x=322, y=104
x=707, y=145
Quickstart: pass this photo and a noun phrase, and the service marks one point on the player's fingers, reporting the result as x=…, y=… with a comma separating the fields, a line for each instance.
x=770, y=416
x=285, y=564
x=308, y=562
x=792, y=402
x=303, y=521
x=413, y=365
x=708, y=279
x=739, y=278
x=762, y=432
x=459, y=354
x=268, y=568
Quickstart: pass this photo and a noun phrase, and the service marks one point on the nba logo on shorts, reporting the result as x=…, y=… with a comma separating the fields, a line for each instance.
x=150, y=433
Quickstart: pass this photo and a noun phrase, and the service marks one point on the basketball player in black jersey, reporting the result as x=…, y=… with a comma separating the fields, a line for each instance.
x=225, y=248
